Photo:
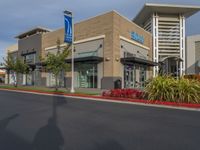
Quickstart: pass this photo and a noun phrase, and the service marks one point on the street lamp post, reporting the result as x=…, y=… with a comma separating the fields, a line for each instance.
x=72, y=81
x=69, y=38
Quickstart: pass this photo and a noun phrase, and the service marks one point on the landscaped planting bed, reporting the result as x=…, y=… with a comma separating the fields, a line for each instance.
x=162, y=90
x=124, y=93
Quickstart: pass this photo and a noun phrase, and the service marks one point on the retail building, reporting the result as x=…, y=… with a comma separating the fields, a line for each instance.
x=111, y=50
x=167, y=24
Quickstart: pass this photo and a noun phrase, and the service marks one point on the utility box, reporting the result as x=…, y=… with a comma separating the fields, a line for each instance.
x=118, y=84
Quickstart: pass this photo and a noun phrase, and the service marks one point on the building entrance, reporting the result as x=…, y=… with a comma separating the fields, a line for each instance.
x=129, y=76
x=87, y=75
x=171, y=66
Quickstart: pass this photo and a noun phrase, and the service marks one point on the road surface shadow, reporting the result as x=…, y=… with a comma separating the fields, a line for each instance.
x=109, y=145
x=4, y=122
x=9, y=140
x=49, y=137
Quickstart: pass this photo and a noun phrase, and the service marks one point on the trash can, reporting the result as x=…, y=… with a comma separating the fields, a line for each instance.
x=118, y=84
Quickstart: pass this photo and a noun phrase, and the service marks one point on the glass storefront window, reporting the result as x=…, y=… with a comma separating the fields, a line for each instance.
x=142, y=76
x=51, y=80
x=87, y=75
x=29, y=59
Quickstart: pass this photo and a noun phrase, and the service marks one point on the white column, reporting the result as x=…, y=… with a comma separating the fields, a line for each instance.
x=182, y=44
x=155, y=43
x=6, y=78
x=24, y=79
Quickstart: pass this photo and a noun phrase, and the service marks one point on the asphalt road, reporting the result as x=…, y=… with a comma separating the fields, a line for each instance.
x=35, y=122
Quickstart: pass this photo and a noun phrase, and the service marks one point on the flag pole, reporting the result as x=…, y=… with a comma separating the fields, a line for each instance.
x=72, y=82
x=72, y=57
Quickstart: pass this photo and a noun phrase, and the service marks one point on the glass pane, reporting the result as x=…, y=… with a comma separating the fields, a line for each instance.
x=129, y=76
x=142, y=76
x=87, y=75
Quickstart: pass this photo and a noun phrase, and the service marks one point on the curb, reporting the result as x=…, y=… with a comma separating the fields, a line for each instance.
x=114, y=99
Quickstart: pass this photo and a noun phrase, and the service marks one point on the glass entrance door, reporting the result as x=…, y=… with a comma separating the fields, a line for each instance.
x=129, y=76
x=29, y=79
x=87, y=75
x=143, y=75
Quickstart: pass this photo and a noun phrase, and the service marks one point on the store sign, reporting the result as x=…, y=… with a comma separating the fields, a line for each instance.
x=137, y=37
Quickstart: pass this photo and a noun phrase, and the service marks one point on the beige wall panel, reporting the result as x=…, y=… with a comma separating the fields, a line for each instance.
x=124, y=27
x=112, y=25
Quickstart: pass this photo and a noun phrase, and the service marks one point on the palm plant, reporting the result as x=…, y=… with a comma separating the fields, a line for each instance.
x=188, y=91
x=161, y=88
x=166, y=88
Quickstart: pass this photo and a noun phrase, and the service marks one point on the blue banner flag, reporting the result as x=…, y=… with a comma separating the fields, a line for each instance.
x=68, y=29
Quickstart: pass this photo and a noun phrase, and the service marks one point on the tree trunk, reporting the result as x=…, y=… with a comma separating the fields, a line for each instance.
x=16, y=84
x=56, y=82
x=8, y=78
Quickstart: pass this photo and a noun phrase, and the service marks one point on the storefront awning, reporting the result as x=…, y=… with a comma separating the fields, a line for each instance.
x=3, y=68
x=28, y=53
x=89, y=59
x=133, y=60
x=33, y=66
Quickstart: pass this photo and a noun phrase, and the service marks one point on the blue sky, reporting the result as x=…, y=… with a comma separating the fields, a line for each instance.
x=20, y=15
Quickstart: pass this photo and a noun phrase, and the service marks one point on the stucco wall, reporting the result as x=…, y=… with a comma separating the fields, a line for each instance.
x=192, y=54
x=123, y=27
x=30, y=44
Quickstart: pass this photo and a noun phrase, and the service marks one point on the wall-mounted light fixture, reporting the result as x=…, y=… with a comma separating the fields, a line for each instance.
x=107, y=59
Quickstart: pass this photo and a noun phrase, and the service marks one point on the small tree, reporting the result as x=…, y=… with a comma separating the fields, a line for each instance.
x=20, y=68
x=9, y=64
x=55, y=63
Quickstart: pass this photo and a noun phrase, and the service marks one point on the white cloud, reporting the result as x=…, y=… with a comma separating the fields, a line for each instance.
x=20, y=15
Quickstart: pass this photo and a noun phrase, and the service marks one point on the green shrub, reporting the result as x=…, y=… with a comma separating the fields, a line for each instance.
x=188, y=91
x=161, y=88
x=166, y=88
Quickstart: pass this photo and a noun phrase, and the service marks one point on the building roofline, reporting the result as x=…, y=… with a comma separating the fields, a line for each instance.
x=149, y=8
x=171, y=5
x=32, y=30
x=116, y=12
x=193, y=36
x=112, y=11
x=131, y=22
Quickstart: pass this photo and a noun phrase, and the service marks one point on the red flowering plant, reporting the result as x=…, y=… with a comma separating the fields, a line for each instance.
x=124, y=93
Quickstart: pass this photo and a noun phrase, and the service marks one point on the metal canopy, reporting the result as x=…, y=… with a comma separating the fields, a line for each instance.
x=89, y=59
x=169, y=9
x=133, y=60
x=28, y=53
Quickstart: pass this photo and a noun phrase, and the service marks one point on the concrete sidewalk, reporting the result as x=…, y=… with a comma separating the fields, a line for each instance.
x=90, y=91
